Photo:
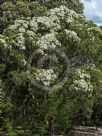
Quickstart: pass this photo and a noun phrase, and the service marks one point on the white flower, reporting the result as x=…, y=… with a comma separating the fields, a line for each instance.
x=20, y=41
x=13, y=27
x=45, y=76
x=22, y=30
x=24, y=61
x=83, y=82
x=2, y=41
x=30, y=33
x=40, y=51
x=96, y=29
x=18, y=23
x=45, y=22
x=72, y=35
x=48, y=41
x=33, y=24
x=81, y=74
x=22, y=22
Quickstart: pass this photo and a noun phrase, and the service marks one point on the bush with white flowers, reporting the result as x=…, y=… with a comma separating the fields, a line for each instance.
x=82, y=82
x=52, y=32
x=45, y=76
x=40, y=47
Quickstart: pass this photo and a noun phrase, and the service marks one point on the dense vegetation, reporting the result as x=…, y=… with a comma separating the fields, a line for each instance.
x=13, y=9
x=51, y=68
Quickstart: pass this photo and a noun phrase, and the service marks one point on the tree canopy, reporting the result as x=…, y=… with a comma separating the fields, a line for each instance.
x=51, y=71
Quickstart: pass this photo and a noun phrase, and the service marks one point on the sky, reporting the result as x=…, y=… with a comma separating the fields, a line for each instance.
x=93, y=10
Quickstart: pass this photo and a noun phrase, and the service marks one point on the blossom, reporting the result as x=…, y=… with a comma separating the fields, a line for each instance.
x=72, y=35
x=48, y=41
x=31, y=35
x=22, y=30
x=20, y=41
x=81, y=74
x=82, y=82
x=60, y=12
x=24, y=62
x=3, y=41
x=83, y=85
x=33, y=24
x=19, y=23
x=45, y=23
x=45, y=76
x=96, y=29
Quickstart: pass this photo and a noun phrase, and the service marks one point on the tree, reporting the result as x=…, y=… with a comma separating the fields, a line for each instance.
x=47, y=70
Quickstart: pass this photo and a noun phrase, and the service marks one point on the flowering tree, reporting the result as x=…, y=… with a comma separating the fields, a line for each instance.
x=13, y=9
x=47, y=69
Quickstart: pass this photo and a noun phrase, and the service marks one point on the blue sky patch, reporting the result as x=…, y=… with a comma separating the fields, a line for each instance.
x=93, y=10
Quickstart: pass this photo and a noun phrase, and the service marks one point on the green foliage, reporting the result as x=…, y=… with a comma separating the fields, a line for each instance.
x=72, y=4
x=10, y=11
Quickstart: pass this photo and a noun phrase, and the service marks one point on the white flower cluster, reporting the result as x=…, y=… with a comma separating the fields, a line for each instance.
x=49, y=41
x=56, y=23
x=33, y=24
x=83, y=82
x=96, y=29
x=22, y=29
x=2, y=41
x=19, y=23
x=20, y=41
x=44, y=23
x=46, y=77
x=83, y=85
x=63, y=12
x=50, y=22
x=72, y=35
x=30, y=34
x=82, y=74
x=20, y=26
x=24, y=62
